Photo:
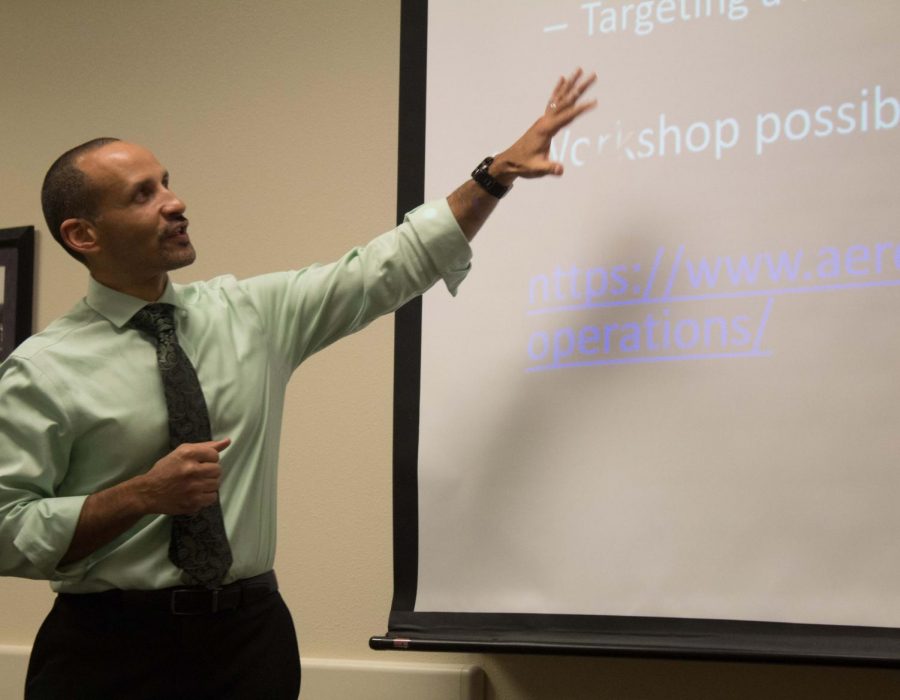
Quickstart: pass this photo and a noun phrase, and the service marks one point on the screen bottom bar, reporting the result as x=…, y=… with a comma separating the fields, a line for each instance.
x=480, y=646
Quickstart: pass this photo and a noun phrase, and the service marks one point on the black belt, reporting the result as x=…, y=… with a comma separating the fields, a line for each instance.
x=192, y=600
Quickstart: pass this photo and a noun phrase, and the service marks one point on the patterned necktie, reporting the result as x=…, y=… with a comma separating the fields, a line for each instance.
x=199, y=544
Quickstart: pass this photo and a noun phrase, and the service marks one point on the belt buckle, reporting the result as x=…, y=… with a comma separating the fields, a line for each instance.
x=188, y=592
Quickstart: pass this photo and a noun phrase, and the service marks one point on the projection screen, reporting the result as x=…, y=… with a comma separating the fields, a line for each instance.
x=661, y=416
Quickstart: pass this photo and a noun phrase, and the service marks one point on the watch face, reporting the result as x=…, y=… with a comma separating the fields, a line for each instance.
x=484, y=178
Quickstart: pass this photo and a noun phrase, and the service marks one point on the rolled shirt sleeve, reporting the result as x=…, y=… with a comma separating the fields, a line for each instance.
x=36, y=522
x=438, y=235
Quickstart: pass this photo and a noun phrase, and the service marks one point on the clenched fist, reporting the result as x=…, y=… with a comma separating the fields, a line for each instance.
x=185, y=480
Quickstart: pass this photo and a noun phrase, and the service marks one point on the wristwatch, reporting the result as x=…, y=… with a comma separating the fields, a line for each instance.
x=487, y=182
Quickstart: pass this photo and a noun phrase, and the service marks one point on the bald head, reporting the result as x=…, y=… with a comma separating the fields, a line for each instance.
x=68, y=192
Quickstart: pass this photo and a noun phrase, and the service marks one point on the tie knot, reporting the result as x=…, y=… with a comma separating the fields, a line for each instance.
x=156, y=319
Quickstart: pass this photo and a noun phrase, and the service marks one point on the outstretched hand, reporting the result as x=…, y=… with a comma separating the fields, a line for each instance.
x=529, y=157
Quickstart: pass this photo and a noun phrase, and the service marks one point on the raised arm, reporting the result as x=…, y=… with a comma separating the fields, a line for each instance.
x=528, y=157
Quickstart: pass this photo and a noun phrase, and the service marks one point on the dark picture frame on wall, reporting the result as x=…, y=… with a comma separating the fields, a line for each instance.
x=16, y=286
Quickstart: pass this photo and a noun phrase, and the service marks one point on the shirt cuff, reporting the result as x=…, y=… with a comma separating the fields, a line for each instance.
x=446, y=244
x=48, y=527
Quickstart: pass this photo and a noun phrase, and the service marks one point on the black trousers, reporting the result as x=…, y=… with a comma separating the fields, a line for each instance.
x=110, y=650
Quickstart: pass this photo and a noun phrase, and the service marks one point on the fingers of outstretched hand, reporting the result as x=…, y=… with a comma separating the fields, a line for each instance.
x=556, y=96
x=568, y=92
x=568, y=84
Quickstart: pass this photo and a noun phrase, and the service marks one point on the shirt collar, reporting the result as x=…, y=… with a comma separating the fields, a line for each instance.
x=118, y=308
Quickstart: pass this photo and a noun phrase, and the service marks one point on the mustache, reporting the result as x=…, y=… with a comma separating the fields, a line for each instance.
x=176, y=224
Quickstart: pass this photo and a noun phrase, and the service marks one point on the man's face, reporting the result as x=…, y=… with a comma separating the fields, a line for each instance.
x=139, y=225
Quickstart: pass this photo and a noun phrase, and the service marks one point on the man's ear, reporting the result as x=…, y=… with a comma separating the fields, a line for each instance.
x=79, y=236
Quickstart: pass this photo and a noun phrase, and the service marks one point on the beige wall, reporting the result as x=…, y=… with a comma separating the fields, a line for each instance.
x=277, y=120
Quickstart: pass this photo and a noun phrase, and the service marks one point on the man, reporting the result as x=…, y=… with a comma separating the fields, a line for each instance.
x=137, y=472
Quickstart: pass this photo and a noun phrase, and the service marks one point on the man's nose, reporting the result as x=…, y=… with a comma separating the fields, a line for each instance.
x=173, y=205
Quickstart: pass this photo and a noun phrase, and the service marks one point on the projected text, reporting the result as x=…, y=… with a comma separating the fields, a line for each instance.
x=873, y=111
x=676, y=277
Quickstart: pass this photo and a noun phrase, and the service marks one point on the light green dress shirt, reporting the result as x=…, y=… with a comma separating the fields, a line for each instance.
x=82, y=405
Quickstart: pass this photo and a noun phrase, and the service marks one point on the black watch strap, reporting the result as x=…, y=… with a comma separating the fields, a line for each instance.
x=487, y=182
